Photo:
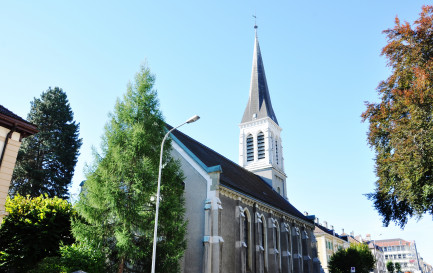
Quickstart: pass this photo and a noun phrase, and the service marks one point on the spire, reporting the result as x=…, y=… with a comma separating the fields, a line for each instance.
x=259, y=103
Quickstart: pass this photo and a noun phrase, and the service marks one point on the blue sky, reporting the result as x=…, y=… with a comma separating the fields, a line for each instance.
x=322, y=61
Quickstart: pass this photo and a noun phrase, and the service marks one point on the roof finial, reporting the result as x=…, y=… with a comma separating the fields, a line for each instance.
x=255, y=23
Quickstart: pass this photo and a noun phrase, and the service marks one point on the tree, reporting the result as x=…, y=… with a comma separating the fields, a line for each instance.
x=357, y=255
x=73, y=258
x=46, y=160
x=390, y=267
x=33, y=230
x=401, y=125
x=117, y=205
x=397, y=266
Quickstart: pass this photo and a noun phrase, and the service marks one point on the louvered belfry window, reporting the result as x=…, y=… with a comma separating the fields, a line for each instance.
x=276, y=151
x=261, y=145
x=250, y=148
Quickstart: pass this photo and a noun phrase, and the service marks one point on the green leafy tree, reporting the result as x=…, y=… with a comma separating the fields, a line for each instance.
x=117, y=203
x=397, y=267
x=390, y=267
x=33, y=230
x=401, y=125
x=357, y=255
x=73, y=258
x=46, y=160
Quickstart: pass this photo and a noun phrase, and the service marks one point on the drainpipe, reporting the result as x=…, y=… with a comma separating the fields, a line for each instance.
x=9, y=135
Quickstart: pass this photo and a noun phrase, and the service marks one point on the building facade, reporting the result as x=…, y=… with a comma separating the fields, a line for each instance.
x=379, y=256
x=403, y=252
x=328, y=243
x=239, y=218
x=12, y=130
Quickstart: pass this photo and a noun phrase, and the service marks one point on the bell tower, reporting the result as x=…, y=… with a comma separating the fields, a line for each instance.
x=260, y=148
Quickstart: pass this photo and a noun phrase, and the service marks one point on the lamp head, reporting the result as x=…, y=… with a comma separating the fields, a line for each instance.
x=192, y=119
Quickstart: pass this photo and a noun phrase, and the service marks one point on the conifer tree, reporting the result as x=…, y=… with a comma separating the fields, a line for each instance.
x=46, y=161
x=117, y=206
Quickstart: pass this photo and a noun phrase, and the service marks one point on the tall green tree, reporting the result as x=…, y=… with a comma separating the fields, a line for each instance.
x=46, y=160
x=117, y=205
x=390, y=267
x=401, y=125
x=33, y=230
x=357, y=255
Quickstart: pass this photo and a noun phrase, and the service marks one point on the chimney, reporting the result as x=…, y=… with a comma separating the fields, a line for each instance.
x=352, y=233
x=368, y=237
x=317, y=220
x=332, y=227
x=342, y=231
x=325, y=224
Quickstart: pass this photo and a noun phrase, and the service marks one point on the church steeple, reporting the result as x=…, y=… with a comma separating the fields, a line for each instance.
x=260, y=149
x=259, y=103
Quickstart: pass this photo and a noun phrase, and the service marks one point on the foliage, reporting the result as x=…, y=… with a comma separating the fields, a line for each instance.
x=49, y=265
x=46, y=160
x=390, y=267
x=397, y=266
x=73, y=258
x=82, y=257
x=32, y=230
x=357, y=255
x=401, y=125
x=117, y=201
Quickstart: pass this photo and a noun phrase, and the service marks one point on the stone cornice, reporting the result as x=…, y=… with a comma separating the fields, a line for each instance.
x=251, y=201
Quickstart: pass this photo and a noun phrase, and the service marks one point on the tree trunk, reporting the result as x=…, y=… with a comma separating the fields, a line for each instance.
x=121, y=265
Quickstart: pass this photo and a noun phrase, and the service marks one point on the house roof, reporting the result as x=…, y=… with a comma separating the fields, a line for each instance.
x=391, y=242
x=12, y=121
x=322, y=229
x=234, y=176
x=259, y=101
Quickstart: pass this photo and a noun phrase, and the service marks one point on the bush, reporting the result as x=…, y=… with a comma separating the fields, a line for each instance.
x=33, y=230
x=81, y=257
x=73, y=258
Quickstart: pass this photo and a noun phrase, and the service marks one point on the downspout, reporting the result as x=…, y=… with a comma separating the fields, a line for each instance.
x=6, y=144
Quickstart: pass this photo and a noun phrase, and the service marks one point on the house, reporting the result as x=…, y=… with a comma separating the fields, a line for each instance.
x=328, y=242
x=12, y=130
x=239, y=217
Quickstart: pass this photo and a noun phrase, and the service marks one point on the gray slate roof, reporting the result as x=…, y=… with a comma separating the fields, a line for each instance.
x=259, y=102
x=237, y=178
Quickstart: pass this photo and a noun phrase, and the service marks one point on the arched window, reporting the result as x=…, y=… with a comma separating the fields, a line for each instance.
x=299, y=241
x=277, y=245
x=276, y=151
x=261, y=145
x=297, y=250
x=263, y=260
x=288, y=264
x=246, y=239
x=250, y=148
x=305, y=251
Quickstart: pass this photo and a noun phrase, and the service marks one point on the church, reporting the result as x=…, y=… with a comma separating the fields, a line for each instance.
x=239, y=216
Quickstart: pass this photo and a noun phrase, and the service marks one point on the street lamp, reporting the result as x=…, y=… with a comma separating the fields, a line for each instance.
x=155, y=230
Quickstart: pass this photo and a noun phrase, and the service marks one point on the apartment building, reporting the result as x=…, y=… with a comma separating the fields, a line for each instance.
x=403, y=252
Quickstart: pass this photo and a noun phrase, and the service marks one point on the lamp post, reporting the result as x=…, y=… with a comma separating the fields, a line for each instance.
x=155, y=230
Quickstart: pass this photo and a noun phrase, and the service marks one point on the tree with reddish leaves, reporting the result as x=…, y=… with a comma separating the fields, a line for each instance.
x=401, y=125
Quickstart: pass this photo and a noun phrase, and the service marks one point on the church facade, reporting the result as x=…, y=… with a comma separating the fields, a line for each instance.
x=239, y=217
